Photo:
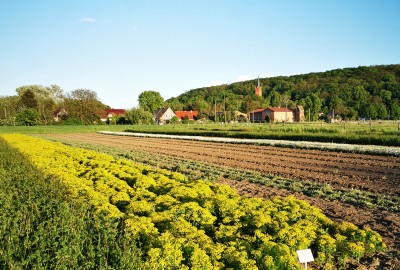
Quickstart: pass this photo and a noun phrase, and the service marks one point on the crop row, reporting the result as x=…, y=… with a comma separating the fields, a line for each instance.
x=196, y=170
x=196, y=224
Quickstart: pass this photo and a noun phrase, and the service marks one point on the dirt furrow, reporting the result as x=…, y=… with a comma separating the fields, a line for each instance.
x=366, y=172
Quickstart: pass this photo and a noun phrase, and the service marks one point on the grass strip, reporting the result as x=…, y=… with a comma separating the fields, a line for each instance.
x=41, y=227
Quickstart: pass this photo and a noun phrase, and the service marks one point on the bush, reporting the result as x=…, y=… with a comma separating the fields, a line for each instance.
x=28, y=117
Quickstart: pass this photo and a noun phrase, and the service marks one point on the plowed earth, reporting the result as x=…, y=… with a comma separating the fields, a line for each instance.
x=376, y=174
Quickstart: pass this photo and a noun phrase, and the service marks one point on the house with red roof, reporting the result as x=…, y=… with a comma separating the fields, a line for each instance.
x=187, y=115
x=258, y=115
x=280, y=114
x=112, y=113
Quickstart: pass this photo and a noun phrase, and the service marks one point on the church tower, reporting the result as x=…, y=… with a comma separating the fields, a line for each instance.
x=258, y=88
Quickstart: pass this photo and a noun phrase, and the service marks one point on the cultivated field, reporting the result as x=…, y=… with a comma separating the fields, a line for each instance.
x=359, y=188
x=149, y=218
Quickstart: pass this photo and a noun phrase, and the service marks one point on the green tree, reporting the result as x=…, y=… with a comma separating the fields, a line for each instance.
x=84, y=105
x=386, y=96
x=200, y=105
x=27, y=117
x=312, y=105
x=352, y=114
x=174, y=104
x=395, y=111
x=138, y=116
x=381, y=111
x=275, y=99
x=150, y=101
x=8, y=108
x=251, y=103
x=28, y=100
x=47, y=99
x=371, y=111
x=360, y=98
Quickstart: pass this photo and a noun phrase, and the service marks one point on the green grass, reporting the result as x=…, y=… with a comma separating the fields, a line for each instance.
x=61, y=129
x=42, y=227
x=369, y=133
x=376, y=133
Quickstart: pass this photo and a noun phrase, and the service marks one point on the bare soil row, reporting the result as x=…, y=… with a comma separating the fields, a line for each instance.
x=341, y=170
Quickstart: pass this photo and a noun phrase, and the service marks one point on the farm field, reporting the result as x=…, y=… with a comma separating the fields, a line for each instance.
x=373, y=132
x=175, y=222
x=344, y=173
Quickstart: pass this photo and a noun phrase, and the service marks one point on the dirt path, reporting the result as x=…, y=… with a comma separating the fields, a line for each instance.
x=377, y=174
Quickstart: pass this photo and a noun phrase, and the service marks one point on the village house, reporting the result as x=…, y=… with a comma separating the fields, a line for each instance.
x=280, y=115
x=163, y=115
x=112, y=114
x=60, y=114
x=258, y=115
x=187, y=115
x=272, y=115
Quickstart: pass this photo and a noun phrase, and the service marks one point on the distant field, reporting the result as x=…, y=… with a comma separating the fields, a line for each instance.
x=376, y=132
x=60, y=129
x=379, y=133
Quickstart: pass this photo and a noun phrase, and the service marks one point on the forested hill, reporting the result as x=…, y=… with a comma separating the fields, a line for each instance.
x=364, y=92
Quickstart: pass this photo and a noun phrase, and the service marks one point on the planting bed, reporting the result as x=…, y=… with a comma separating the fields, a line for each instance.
x=365, y=172
x=343, y=171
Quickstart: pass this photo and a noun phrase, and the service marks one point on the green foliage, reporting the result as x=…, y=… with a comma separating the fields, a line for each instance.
x=84, y=105
x=139, y=116
x=395, y=111
x=72, y=121
x=27, y=117
x=42, y=227
x=28, y=100
x=348, y=91
x=174, y=120
x=174, y=104
x=150, y=101
x=45, y=99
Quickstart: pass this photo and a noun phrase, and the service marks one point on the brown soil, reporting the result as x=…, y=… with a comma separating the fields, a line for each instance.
x=377, y=174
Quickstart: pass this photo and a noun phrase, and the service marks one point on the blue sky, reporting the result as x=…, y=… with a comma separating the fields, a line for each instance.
x=120, y=48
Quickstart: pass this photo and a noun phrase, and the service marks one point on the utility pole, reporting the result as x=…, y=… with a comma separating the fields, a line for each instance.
x=215, y=110
x=237, y=109
x=224, y=109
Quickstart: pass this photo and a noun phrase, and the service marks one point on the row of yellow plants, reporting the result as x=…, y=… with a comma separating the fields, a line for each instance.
x=198, y=225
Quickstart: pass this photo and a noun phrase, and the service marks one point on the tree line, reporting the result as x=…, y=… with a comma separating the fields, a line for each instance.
x=44, y=105
x=38, y=105
x=351, y=93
